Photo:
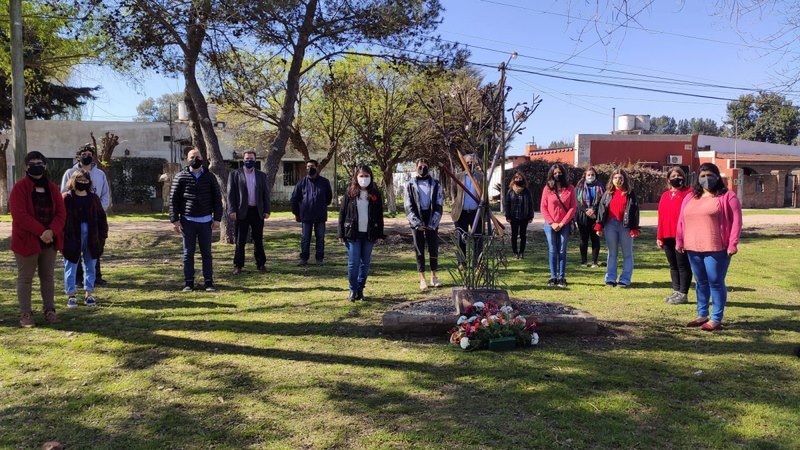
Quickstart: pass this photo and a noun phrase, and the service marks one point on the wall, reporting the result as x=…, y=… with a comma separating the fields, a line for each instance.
x=771, y=197
x=554, y=156
x=623, y=149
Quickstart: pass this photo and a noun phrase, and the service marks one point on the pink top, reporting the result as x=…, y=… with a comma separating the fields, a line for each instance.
x=701, y=216
x=551, y=208
x=728, y=226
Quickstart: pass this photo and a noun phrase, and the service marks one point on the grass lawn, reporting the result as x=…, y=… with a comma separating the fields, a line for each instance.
x=284, y=361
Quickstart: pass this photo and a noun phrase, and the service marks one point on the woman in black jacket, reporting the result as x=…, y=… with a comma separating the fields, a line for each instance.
x=360, y=225
x=519, y=212
x=588, y=193
x=618, y=218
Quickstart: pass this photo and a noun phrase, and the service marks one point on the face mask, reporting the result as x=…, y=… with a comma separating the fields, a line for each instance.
x=617, y=183
x=676, y=182
x=519, y=182
x=86, y=160
x=590, y=179
x=36, y=170
x=249, y=163
x=709, y=181
x=560, y=178
x=364, y=181
x=312, y=171
x=196, y=163
x=81, y=186
x=423, y=171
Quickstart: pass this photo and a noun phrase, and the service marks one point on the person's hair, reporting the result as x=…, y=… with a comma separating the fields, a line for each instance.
x=191, y=149
x=626, y=181
x=520, y=173
x=583, y=175
x=354, y=189
x=551, y=179
x=718, y=189
x=475, y=159
x=421, y=160
x=252, y=152
x=35, y=155
x=312, y=161
x=88, y=147
x=679, y=171
x=77, y=174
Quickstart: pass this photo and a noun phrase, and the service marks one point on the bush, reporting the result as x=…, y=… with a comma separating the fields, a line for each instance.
x=135, y=180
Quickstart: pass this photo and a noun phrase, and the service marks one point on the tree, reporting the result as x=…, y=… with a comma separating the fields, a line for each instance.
x=766, y=117
x=162, y=109
x=560, y=144
x=663, y=125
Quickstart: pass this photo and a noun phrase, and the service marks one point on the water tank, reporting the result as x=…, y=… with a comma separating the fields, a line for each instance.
x=643, y=122
x=183, y=112
x=626, y=122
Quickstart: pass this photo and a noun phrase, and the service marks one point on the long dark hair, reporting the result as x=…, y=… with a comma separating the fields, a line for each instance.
x=551, y=180
x=717, y=189
x=626, y=181
x=524, y=179
x=354, y=189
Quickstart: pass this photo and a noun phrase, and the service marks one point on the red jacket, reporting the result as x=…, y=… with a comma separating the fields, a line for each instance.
x=669, y=210
x=25, y=229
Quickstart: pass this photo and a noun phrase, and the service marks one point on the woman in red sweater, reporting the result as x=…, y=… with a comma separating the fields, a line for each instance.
x=669, y=210
x=618, y=216
x=558, y=207
x=37, y=233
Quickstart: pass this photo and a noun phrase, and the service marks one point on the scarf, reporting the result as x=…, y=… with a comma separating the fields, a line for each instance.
x=517, y=189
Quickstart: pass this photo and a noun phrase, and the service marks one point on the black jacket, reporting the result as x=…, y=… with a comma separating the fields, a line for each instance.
x=237, y=193
x=630, y=219
x=195, y=197
x=580, y=216
x=522, y=202
x=97, y=224
x=348, y=218
x=310, y=199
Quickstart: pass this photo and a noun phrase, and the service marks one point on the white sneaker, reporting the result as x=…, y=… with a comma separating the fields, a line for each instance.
x=423, y=285
x=435, y=282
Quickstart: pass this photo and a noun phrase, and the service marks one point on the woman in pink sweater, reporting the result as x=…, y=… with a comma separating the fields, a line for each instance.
x=669, y=209
x=708, y=231
x=558, y=207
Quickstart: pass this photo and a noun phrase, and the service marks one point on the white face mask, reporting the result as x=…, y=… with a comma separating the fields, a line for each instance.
x=590, y=178
x=364, y=181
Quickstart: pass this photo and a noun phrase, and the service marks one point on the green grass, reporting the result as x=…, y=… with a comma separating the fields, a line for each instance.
x=284, y=361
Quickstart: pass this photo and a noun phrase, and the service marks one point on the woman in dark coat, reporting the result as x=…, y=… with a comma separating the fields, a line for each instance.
x=519, y=212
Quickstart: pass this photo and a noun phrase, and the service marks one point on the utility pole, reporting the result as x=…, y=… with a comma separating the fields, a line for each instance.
x=17, y=89
x=613, y=119
x=171, y=137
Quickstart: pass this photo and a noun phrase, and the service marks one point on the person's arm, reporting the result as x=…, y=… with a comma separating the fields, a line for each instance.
x=104, y=192
x=233, y=195
x=437, y=207
x=529, y=196
x=342, y=214
x=295, y=199
x=735, y=207
x=679, y=232
x=64, y=180
x=633, y=214
x=379, y=218
x=216, y=193
x=25, y=222
x=507, y=204
x=543, y=207
x=102, y=220
x=413, y=220
x=175, y=198
x=572, y=206
x=328, y=193
x=265, y=193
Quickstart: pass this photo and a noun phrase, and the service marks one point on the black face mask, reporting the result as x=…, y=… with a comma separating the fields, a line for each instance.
x=249, y=163
x=196, y=163
x=86, y=160
x=676, y=182
x=519, y=182
x=561, y=179
x=312, y=171
x=36, y=170
x=80, y=186
x=423, y=171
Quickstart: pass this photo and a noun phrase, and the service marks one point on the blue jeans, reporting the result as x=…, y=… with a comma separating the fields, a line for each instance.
x=305, y=240
x=71, y=268
x=359, y=254
x=619, y=236
x=709, y=270
x=557, y=249
x=194, y=232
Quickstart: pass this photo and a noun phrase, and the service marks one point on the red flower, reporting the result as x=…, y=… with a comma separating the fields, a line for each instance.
x=373, y=198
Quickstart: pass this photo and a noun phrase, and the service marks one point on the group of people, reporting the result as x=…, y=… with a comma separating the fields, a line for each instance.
x=698, y=226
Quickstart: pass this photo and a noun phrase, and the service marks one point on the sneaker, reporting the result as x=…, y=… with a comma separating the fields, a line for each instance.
x=611, y=284
x=302, y=262
x=72, y=302
x=51, y=317
x=100, y=282
x=435, y=282
x=622, y=285
x=583, y=264
x=679, y=299
x=562, y=282
x=89, y=301
x=263, y=269
x=353, y=296
x=360, y=294
x=671, y=296
x=594, y=265
x=209, y=287
x=320, y=262
x=188, y=288
x=603, y=264
x=26, y=320
x=423, y=285
x=551, y=282
x=236, y=271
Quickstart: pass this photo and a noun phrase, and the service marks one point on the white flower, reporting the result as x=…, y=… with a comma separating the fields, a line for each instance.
x=521, y=319
x=534, y=339
x=472, y=319
x=464, y=342
x=478, y=305
x=461, y=320
x=507, y=309
x=485, y=322
x=492, y=317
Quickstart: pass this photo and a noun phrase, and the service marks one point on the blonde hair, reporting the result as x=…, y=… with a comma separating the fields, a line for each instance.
x=77, y=174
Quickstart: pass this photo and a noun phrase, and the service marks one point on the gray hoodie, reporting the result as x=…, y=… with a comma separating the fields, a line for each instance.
x=99, y=183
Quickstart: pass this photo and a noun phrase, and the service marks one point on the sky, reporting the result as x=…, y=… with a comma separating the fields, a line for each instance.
x=671, y=46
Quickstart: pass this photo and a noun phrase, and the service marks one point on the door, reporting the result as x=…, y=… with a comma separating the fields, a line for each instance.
x=791, y=187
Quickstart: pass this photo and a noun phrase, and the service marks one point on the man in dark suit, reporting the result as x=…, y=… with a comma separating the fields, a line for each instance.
x=248, y=206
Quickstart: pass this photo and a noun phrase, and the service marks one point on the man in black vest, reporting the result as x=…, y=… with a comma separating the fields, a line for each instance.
x=195, y=209
x=248, y=206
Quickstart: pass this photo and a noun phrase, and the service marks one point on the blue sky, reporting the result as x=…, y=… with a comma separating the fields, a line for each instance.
x=676, y=40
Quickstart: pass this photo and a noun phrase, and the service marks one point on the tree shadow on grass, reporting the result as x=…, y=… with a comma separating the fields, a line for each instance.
x=754, y=305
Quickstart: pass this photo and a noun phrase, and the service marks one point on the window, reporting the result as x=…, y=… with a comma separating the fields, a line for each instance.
x=292, y=172
x=759, y=186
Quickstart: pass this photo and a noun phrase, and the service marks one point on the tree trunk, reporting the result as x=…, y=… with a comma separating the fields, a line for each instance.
x=194, y=128
x=3, y=178
x=278, y=149
x=388, y=184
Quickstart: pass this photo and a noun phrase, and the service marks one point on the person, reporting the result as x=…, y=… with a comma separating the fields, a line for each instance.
x=86, y=227
x=618, y=218
x=423, y=201
x=558, y=207
x=195, y=210
x=310, y=199
x=518, y=209
x=360, y=226
x=669, y=209
x=708, y=231
x=249, y=207
x=588, y=192
x=37, y=232
x=465, y=207
x=85, y=157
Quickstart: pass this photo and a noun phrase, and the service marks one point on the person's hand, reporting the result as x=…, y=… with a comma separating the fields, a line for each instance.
x=679, y=249
x=215, y=225
x=177, y=227
x=590, y=212
x=47, y=236
x=297, y=218
x=660, y=243
x=266, y=216
x=341, y=240
x=530, y=220
x=733, y=252
x=379, y=241
x=232, y=216
x=555, y=226
x=599, y=233
x=634, y=233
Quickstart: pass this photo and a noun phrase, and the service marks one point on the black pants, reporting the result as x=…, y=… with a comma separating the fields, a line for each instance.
x=97, y=274
x=518, y=228
x=463, y=226
x=679, y=268
x=587, y=232
x=255, y=223
x=426, y=237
